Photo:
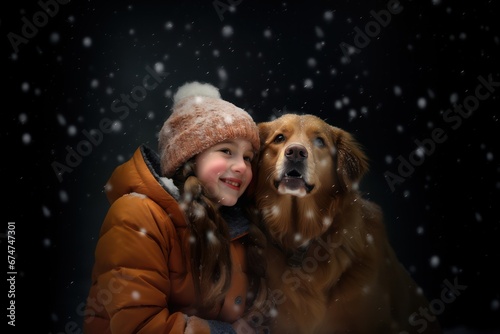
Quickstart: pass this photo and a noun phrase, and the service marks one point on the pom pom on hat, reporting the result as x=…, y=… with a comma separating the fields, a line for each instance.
x=196, y=89
x=199, y=120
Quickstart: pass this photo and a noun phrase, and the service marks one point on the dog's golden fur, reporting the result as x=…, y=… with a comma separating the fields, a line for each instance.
x=330, y=267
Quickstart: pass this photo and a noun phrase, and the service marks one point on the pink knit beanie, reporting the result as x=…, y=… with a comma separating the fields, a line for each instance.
x=199, y=120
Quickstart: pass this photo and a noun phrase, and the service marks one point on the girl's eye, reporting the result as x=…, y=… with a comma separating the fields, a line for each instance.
x=319, y=142
x=279, y=139
x=248, y=158
x=226, y=151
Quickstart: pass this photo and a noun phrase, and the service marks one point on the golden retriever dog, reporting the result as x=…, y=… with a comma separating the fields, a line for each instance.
x=330, y=267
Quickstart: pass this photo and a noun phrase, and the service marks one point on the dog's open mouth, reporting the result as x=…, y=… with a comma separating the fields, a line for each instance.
x=293, y=183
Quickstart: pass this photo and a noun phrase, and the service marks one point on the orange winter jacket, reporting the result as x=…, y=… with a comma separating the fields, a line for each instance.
x=141, y=279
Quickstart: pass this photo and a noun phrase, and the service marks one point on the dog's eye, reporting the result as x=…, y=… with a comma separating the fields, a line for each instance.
x=319, y=142
x=279, y=139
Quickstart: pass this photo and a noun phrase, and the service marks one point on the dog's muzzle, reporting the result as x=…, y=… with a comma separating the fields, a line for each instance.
x=292, y=181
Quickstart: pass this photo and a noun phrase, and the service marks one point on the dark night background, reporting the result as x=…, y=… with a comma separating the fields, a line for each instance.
x=268, y=58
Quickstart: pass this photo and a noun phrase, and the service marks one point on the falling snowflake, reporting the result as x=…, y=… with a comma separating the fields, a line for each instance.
x=431, y=93
x=61, y=119
x=54, y=38
x=328, y=16
x=46, y=242
x=23, y=118
x=273, y=312
x=338, y=104
x=434, y=261
x=46, y=211
x=72, y=130
x=420, y=151
x=275, y=210
x=94, y=83
x=63, y=196
x=319, y=32
x=311, y=62
x=228, y=119
x=227, y=31
x=159, y=67
x=26, y=138
x=222, y=73
x=87, y=42
x=495, y=304
x=308, y=83
x=117, y=126
x=25, y=87
x=422, y=102
x=397, y=90
x=211, y=237
x=352, y=114
x=135, y=295
x=420, y=230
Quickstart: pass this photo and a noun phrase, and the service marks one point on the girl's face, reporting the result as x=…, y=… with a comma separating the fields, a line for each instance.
x=225, y=170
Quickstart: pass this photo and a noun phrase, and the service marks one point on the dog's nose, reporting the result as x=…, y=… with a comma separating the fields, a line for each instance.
x=296, y=153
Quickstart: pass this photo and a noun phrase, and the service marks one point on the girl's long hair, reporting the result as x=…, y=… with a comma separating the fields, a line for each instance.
x=209, y=239
x=209, y=242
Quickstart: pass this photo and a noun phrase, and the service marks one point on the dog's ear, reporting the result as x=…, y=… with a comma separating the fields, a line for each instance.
x=263, y=133
x=264, y=129
x=352, y=162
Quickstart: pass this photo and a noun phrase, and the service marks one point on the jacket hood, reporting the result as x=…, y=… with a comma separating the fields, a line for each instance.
x=141, y=174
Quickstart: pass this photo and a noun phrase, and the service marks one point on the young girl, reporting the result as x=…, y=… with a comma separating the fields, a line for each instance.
x=171, y=255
